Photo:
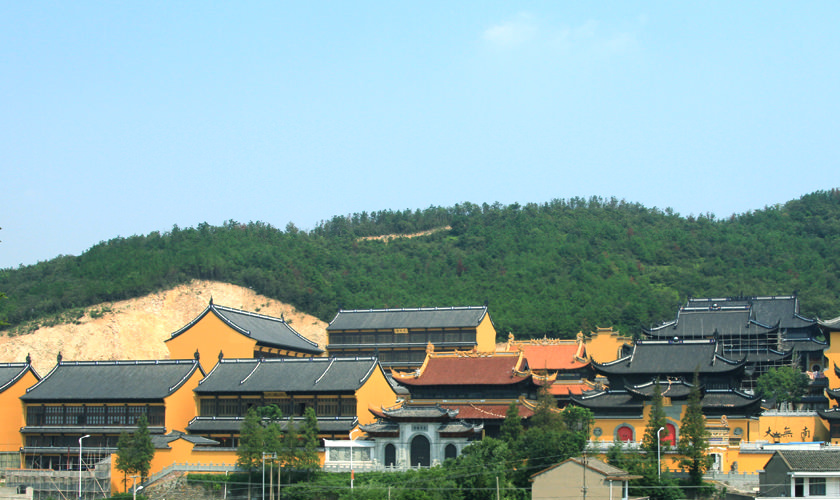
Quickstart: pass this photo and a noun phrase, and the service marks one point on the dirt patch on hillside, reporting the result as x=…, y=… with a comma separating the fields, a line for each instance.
x=137, y=328
x=388, y=237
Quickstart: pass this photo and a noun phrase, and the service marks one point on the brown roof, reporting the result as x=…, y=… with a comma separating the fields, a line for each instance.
x=489, y=411
x=551, y=357
x=466, y=369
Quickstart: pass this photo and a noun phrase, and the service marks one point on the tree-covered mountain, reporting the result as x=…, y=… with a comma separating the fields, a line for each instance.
x=545, y=269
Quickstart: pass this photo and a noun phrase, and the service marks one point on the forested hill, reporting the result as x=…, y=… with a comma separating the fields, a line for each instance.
x=545, y=269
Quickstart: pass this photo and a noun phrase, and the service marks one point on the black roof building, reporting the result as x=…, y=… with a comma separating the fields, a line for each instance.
x=632, y=380
x=289, y=375
x=112, y=381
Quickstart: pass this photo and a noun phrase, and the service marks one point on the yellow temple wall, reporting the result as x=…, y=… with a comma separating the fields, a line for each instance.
x=375, y=392
x=210, y=336
x=182, y=405
x=604, y=345
x=12, y=416
x=832, y=355
x=791, y=428
x=485, y=335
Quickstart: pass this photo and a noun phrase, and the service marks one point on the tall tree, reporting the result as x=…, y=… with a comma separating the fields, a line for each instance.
x=511, y=429
x=694, y=437
x=308, y=461
x=135, y=451
x=251, y=441
x=651, y=441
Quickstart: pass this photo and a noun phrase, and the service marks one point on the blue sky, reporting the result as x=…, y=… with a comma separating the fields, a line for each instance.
x=122, y=118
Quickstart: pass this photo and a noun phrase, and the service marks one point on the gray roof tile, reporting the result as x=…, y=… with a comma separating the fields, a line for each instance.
x=811, y=460
x=374, y=319
x=12, y=372
x=308, y=375
x=266, y=330
x=112, y=380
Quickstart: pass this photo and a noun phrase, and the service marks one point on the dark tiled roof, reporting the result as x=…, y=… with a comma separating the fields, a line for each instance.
x=308, y=375
x=425, y=412
x=162, y=441
x=703, y=324
x=609, y=399
x=232, y=424
x=12, y=372
x=112, y=380
x=455, y=369
x=670, y=358
x=805, y=345
x=375, y=319
x=830, y=324
x=810, y=460
x=833, y=394
x=765, y=356
x=728, y=399
x=832, y=414
x=266, y=330
x=678, y=389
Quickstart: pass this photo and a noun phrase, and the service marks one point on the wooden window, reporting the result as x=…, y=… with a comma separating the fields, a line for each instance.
x=207, y=407
x=327, y=407
x=348, y=406
x=116, y=415
x=54, y=415
x=95, y=415
x=228, y=407
x=134, y=413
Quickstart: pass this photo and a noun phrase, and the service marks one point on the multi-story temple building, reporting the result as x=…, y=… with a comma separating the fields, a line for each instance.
x=767, y=331
x=398, y=337
x=340, y=390
x=86, y=405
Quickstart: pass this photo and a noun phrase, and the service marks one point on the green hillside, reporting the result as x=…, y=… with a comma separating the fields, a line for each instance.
x=545, y=269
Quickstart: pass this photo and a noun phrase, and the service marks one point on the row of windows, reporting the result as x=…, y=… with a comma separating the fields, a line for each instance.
x=435, y=337
x=289, y=407
x=816, y=486
x=40, y=415
x=92, y=442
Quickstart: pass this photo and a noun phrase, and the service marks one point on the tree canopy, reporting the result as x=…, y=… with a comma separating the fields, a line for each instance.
x=552, y=268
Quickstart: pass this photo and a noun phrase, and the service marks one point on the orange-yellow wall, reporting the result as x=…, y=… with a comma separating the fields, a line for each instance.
x=376, y=392
x=209, y=336
x=182, y=405
x=604, y=345
x=832, y=354
x=793, y=429
x=485, y=335
x=12, y=415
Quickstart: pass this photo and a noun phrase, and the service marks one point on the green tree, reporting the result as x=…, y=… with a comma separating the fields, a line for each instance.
x=546, y=415
x=694, y=437
x=511, y=429
x=651, y=441
x=252, y=438
x=308, y=461
x=785, y=384
x=135, y=451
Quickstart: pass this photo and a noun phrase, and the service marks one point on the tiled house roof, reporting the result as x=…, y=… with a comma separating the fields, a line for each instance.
x=376, y=319
x=112, y=380
x=466, y=369
x=12, y=372
x=309, y=375
x=810, y=460
x=671, y=358
x=266, y=330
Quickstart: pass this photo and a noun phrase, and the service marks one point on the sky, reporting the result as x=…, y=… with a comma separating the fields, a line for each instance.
x=123, y=118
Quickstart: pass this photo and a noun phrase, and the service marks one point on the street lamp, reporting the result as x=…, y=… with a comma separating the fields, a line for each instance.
x=80, y=463
x=264, y=456
x=659, y=454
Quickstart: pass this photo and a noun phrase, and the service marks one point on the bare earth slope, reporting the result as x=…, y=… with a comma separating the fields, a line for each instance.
x=137, y=328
